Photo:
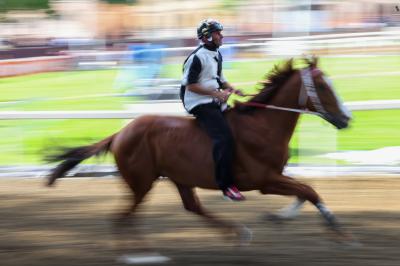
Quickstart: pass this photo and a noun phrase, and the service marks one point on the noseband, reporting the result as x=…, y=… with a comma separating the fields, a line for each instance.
x=308, y=90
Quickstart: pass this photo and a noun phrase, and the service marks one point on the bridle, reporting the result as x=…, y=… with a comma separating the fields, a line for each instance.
x=307, y=90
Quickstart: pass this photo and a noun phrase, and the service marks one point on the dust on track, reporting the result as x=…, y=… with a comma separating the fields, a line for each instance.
x=71, y=224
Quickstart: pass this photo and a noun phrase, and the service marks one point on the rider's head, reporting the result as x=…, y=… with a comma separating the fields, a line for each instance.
x=209, y=32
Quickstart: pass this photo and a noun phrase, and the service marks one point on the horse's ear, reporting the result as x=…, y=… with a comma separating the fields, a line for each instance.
x=311, y=61
x=315, y=61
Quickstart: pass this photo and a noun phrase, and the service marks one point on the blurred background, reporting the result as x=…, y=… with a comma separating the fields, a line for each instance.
x=74, y=71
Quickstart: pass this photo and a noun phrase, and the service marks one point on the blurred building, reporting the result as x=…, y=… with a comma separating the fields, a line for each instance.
x=79, y=22
x=158, y=19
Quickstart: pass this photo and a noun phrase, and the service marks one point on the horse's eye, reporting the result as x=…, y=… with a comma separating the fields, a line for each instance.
x=322, y=87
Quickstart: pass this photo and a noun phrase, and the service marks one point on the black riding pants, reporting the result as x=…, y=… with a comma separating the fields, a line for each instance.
x=212, y=120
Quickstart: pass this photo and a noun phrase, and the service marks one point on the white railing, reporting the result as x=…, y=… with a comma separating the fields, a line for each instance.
x=161, y=108
x=271, y=46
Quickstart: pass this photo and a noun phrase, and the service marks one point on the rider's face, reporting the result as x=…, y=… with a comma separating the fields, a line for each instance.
x=217, y=38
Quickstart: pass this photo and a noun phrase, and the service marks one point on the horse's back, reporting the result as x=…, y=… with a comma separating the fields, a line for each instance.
x=146, y=126
x=178, y=139
x=162, y=134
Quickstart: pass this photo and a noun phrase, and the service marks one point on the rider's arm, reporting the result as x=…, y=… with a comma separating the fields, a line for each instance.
x=194, y=86
x=197, y=88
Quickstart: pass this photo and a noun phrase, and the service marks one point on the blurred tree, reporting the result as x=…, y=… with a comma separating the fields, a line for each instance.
x=119, y=1
x=230, y=4
x=7, y=5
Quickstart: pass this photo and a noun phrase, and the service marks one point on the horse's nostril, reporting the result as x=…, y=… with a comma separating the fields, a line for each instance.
x=347, y=118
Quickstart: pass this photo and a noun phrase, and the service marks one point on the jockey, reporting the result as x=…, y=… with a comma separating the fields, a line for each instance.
x=204, y=93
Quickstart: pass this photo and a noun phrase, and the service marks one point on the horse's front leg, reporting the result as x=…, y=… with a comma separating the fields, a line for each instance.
x=192, y=204
x=287, y=186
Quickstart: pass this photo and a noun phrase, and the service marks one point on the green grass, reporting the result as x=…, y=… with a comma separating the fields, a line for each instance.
x=25, y=141
x=30, y=142
x=365, y=88
x=350, y=88
x=369, y=130
x=45, y=91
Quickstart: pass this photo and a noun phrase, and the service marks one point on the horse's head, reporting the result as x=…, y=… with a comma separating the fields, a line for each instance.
x=318, y=94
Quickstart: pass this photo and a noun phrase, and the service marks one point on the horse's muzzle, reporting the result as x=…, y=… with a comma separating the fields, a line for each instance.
x=339, y=121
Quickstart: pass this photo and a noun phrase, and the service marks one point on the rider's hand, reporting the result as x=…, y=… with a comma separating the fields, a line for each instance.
x=222, y=96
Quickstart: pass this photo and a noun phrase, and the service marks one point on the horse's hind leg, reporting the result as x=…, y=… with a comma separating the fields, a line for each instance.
x=136, y=199
x=140, y=183
x=139, y=174
x=192, y=203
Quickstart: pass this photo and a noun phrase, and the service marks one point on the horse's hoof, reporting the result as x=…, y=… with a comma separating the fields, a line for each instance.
x=349, y=240
x=245, y=236
x=50, y=182
x=345, y=238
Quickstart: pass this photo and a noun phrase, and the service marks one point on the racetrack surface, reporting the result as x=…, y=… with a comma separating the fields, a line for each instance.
x=71, y=225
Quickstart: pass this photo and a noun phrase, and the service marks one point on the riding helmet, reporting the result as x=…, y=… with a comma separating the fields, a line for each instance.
x=207, y=27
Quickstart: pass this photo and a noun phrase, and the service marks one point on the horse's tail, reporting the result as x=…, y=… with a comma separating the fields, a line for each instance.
x=71, y=157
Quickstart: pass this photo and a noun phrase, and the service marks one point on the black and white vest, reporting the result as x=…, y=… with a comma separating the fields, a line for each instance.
x=203, y=66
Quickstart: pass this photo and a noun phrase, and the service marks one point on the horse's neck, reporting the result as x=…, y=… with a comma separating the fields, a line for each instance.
x=284, y=122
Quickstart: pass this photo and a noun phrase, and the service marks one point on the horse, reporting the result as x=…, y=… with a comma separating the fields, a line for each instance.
x=175, y=147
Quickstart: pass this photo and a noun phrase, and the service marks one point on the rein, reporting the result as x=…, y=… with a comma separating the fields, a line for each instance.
x=307, y=90
x=270, y=106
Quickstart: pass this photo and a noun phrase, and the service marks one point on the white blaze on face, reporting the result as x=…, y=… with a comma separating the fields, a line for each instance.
x=341, y=106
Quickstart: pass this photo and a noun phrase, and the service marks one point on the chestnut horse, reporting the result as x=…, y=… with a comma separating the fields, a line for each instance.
x=152, y=146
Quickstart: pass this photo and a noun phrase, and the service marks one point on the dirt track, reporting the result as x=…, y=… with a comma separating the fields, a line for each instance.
x=70, y=225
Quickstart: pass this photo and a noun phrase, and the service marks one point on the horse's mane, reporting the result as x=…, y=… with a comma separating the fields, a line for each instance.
x=273, y=80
